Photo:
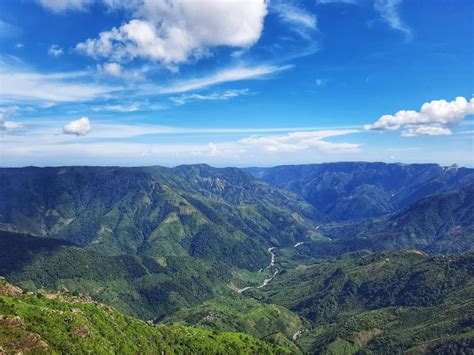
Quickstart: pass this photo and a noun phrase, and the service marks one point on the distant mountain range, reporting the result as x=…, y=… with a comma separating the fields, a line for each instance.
x=439, y=223
x=326, y=258
x=345, y=191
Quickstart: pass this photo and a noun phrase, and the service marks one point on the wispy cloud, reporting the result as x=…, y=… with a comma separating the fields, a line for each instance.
x=8, y=30
x=223, y=76
x=296, y=141
x=389, y=11
x=299, y=18
x=58, y=6
x=118, y=108
x=215, y=96
x=52, y=87
x=110, y=142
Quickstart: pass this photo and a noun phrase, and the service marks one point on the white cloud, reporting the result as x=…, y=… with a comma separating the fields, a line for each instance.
x=119, y=108
x=432, y=118
x=216, y=96
x=5, y=114
x=297, y=141
x=55, y=50
x=53, y=87
x=116, y=70
x=389, y=11
x=65, y=5
x=321, y=82
x=426, y=130
x=113, y=69
x=19, y=45
x=172, y=32
x=10, y=125
x=111, y=143
x=223, y=76
x=80, y=127
x=296, y=16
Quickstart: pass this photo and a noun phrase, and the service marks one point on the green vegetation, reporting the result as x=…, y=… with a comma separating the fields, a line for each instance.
x=264, y=321
x=439, y=223
x=353, y=190
x=221, y=215
x=380, y=303
x=60, y=323
x=138, y=286
x=395, y=330
x=175, y=247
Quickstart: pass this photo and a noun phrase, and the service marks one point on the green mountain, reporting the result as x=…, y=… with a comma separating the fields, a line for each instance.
x=136, y=285
x=221, y=250
x=439, y=223
x=61, y=323
x=269, y=322
x=214, y=214
x=379, y=303
x=352, y=190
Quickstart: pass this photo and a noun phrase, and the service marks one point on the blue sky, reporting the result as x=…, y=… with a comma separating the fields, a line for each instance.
x=241, y=83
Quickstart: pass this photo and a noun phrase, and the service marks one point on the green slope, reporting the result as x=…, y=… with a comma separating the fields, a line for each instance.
x=138, y=286
x=270, y=322
x=439, y=223
x=353, y=190
x=383, y=303
x=214, y=214
x=60, y=323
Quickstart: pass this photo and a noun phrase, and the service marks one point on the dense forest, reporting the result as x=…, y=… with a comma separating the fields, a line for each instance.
x=194, y=258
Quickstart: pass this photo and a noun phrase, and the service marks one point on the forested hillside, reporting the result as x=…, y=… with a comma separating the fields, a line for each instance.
x=352, y=190
x=439, y=223
x=221, y=250
x=214, y=214
x=61, y=323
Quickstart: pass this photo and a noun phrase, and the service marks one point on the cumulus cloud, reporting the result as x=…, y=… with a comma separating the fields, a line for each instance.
x=389, y=11
x=172, y=32
x=65, y=5
x=432, y=118
x=80, y=127
x=297, y=141
x=413, y=131
x=55, y=50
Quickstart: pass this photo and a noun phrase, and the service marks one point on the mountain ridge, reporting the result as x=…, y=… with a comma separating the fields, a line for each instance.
x=352, y=190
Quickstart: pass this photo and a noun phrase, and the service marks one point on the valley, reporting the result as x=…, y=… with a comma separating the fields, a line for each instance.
x=218, y=249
